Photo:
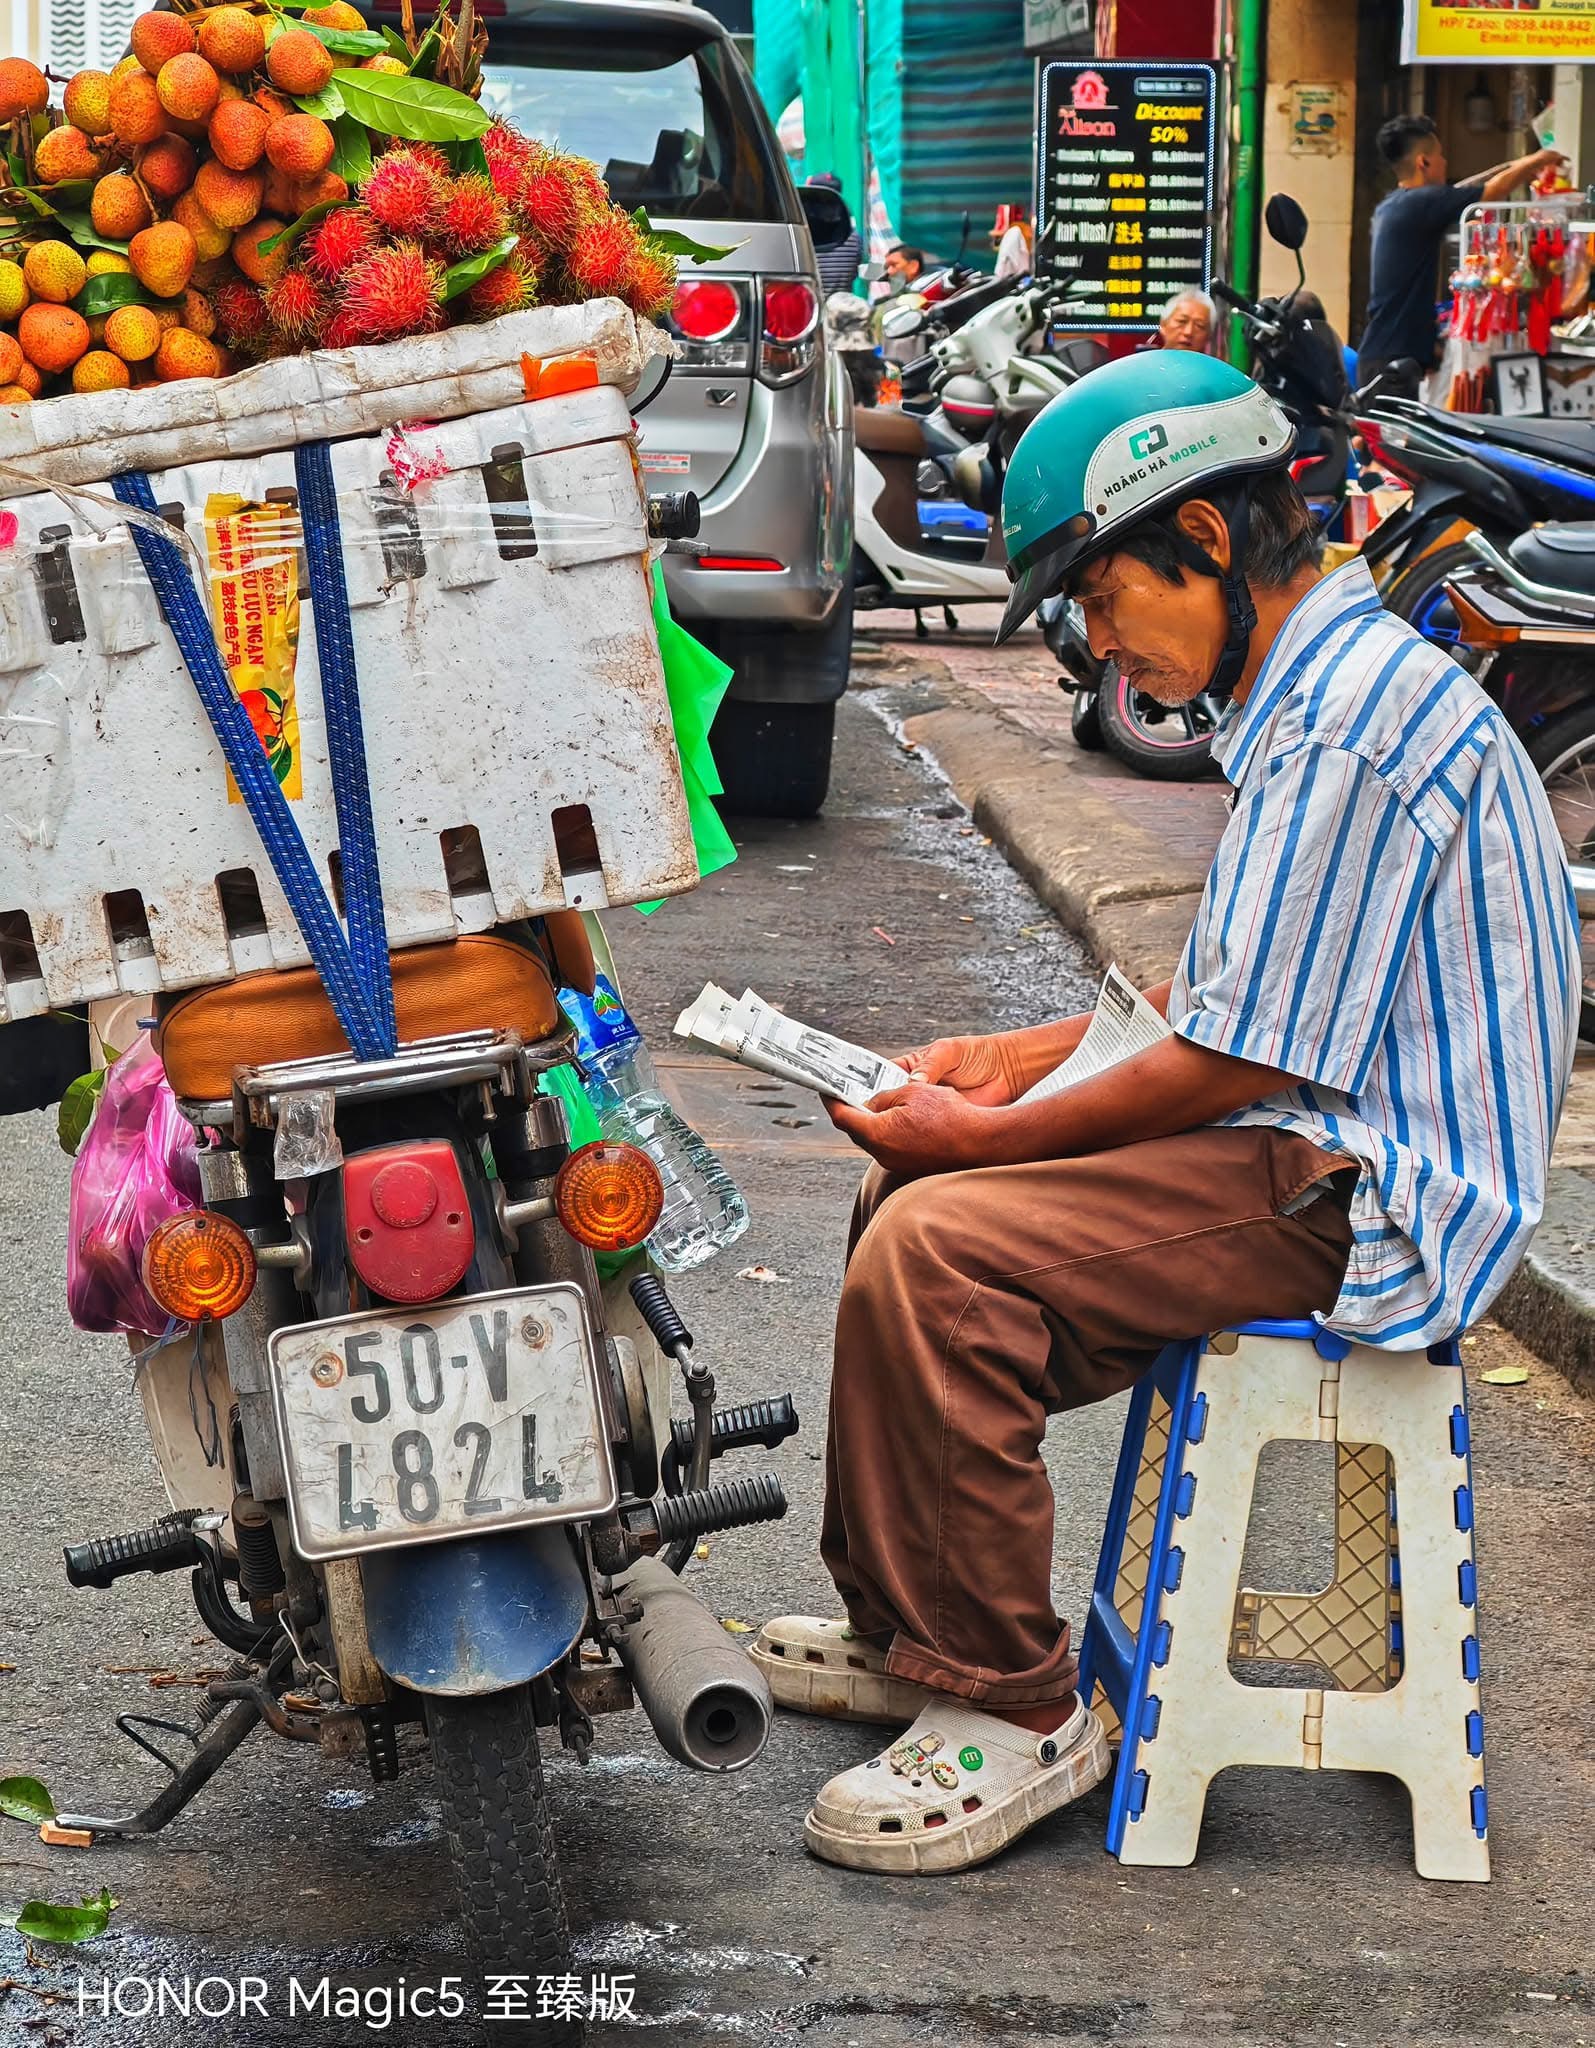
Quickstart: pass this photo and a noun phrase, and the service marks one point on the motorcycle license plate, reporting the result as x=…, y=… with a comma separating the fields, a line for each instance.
x=403, y=1426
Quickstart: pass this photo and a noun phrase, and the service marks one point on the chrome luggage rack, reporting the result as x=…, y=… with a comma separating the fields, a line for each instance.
x=498, y=1060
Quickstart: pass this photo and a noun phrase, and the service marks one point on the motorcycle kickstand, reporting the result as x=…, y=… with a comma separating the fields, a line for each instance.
x=225, y=1735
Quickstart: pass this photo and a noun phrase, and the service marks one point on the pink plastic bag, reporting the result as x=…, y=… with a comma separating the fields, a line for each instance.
x=136, y=1167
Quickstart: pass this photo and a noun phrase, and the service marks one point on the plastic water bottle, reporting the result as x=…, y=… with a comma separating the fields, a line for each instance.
x=704, y=1210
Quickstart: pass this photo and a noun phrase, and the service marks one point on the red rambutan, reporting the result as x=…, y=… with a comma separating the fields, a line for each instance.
x=404, y=192
x=604, y=254
x=511, y=288
x=240, y=313
x=394, y=292
x=549, y=205
x=508, y=155
x=347, y=234
x=342, y=331
x=296, y=305
x=430, y=154
x=652, y=290
x=473, y=216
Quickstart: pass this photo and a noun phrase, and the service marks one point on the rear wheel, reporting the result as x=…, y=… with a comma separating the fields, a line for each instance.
x=774, y=759
x=1168, y=744
x=506, y=1865
x=1085, y=721
x=1417, y=595
x=1564, y=754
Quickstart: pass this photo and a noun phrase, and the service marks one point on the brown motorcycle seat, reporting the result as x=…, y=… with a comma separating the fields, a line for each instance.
x=884, y=430
x=485, y=980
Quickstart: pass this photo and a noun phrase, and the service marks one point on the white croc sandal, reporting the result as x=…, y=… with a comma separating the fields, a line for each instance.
x=822, y=1667
x=957, y=1789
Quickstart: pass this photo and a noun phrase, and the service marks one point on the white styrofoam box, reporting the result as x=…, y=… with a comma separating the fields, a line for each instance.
x=83, y=438
x=498, y=685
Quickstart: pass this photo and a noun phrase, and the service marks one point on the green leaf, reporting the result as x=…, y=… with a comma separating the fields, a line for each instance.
x=282, y=762
x=83, y=232
x=412, y=108
x=26, y=1799
x=105, y=294
x=77, y=1109
x=286, y=237
x=425, y=61
x=351, y=150
x=397, y=46
x=349, y=42
x=328, y=103
x=40, y=1922
x=17, y=170
x=459, y=277
x=469, y=156
x=674, y=244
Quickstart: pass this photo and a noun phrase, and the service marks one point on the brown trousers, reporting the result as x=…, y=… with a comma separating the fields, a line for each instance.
x=978, y=1304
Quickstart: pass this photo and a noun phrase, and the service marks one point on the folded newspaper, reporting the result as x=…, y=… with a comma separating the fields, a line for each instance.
x=748, y=1030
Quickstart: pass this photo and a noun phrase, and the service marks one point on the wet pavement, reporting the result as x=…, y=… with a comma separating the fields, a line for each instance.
x=1302, y=1922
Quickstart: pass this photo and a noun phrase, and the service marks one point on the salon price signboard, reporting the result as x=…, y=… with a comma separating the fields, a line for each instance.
x=1125, y=156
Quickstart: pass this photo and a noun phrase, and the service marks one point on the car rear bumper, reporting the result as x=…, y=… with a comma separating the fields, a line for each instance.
x=788, y=496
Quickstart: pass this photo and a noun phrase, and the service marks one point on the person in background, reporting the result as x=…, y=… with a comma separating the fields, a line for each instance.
x=1409, y=229
x=839, y=265
x=1010, y=235
x=1188, y=321
x=904, y=267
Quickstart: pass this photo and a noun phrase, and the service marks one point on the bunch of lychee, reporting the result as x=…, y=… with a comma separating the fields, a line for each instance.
x=197, y=150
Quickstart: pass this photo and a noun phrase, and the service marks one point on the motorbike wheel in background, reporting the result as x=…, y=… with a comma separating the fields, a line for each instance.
x=501, y=1842
x=1417, y=594
x=1166, y=744
x=1564, y=754
x=1085, y=721
x=774, y=754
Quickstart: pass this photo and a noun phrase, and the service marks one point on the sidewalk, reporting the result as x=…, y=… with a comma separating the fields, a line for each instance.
x=1122, y=860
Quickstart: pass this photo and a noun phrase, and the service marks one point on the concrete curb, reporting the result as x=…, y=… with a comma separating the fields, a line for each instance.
x=1117, y=886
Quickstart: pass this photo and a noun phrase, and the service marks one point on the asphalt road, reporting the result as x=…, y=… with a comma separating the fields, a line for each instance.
x=1302, y=1922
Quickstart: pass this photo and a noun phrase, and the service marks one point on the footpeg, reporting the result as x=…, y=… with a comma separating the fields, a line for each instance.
x=767, y=1423
x=168, y=1545
x=681, y=1517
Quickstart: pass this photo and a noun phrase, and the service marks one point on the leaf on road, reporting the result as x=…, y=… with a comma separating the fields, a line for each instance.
x=733, y=1627
x=26, y=1799
x=39, y=1921
x=1505, y=1375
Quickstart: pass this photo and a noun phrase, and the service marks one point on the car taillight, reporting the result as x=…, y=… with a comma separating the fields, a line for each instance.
x=791, y=329
x=410, y=1233
x=199, y=1266
x=609, y=1196
x=712, y=319
x=706, y=308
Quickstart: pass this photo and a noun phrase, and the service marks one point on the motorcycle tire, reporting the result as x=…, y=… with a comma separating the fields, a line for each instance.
x=501, y=1842
x=1142, y=734
x=1085, y=721
x=1569, y=742
x=1417, y=594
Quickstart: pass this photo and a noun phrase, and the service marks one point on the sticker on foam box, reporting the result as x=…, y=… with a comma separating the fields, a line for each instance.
x=517, y=725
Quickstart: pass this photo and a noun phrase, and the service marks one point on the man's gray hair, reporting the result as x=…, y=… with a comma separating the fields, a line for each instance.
x=1191, y=292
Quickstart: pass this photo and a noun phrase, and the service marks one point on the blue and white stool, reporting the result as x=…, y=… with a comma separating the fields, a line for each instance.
x=1392, y=1644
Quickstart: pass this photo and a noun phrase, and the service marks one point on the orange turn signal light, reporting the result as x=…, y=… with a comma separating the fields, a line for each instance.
x=199, y=1266
x=609, y=1196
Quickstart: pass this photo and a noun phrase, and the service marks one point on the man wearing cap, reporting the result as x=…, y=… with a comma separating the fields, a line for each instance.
x=1372, y=1026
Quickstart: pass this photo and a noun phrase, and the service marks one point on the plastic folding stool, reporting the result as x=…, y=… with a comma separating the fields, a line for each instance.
x=1393, y=1641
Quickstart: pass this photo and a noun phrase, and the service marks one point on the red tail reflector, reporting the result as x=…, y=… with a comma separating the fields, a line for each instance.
x=411, y=1237
x=735, y=562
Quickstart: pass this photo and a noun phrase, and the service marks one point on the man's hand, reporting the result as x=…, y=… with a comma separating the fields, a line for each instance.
x=918, y=1130
x=971, y=1067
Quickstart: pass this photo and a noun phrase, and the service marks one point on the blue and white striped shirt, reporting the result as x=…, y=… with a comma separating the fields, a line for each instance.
x=1389, y=917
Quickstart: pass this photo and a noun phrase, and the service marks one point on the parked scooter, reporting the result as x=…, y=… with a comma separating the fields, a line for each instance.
x=1528, y=614
x=1296, y=357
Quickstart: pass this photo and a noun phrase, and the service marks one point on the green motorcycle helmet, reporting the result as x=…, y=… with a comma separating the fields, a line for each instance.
x=1126, y=441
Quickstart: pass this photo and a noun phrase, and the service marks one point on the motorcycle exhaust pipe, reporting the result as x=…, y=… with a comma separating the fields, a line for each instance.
x=708, y=1702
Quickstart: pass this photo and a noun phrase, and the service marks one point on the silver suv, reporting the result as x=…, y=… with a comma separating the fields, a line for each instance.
x=756, y=416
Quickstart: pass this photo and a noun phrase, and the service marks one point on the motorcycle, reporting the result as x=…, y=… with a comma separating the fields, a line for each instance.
x=974, y=389
x=419, y=1455
x=1296, y=357
x=1528, y=614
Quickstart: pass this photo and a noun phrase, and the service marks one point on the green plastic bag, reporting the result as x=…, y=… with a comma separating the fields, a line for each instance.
x=696, y=680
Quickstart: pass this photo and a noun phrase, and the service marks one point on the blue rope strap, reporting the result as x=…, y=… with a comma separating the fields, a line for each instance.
x=268, y=808
x=346, y=748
